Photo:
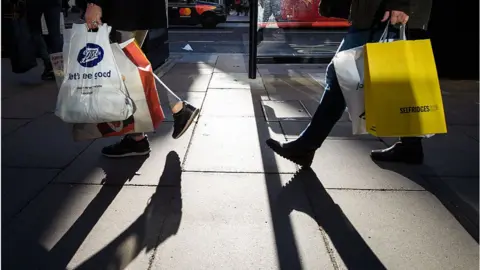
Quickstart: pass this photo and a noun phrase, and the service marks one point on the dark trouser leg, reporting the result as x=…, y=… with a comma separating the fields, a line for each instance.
x=331, y=107
x=329, y=111
x=332, y=104
x=34, y=18
x=52, y=20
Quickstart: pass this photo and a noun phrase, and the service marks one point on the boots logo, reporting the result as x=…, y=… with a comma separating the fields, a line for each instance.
x=90, y=55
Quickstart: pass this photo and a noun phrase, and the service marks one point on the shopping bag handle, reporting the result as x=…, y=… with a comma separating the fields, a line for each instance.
x=384, y=36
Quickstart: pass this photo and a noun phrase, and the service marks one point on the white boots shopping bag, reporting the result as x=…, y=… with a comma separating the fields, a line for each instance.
x=92, y=90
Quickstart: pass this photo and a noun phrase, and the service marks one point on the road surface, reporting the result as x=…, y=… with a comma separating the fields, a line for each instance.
x=234, y=38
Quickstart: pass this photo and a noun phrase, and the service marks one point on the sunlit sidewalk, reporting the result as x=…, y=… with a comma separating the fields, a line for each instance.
x=219, y=198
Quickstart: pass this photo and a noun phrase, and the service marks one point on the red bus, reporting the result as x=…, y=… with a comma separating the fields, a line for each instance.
x=303, y=13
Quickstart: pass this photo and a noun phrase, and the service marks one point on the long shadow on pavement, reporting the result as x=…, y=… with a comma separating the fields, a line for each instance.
x=147, y=231
x=353, y=250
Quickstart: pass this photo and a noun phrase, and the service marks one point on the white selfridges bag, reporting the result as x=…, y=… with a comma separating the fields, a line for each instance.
x=349, y=69
x=92, y=90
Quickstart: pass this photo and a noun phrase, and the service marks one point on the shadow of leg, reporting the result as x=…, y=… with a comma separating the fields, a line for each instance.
x=354, y=251
x=117, y=173
x=148, y=230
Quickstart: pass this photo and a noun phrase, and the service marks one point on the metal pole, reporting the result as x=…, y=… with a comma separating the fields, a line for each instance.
x=252, y=51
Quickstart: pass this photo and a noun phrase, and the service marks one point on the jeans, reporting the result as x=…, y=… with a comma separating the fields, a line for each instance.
x=332, y=104
x=52, y=19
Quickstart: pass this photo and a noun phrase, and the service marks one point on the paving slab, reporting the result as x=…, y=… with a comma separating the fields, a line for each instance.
x=291, y=110
x=11, y=125
x=291, y=69
x=185, y=83
x=312, y=105
x=341, y=131
x=282, y=81
x=466, y=187
x=239, y=146
x=312, y=94
x=459, y=86
x=197, y=58
x=19, y=186
x=470, y=131
x=31, y=104
x=232, y=103
x=243, y=221
x=92, y=168
x=89, y=227
x=192, y=68
x=233, y=63
x=14, y=84
x=461, y=109
x=37, y=144
x=347, y=164
x=194, y=98
x=235, y=81
x=404, y=230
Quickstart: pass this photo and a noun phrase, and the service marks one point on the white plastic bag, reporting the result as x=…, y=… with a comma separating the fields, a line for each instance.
x=349, y=69
x=92, y=90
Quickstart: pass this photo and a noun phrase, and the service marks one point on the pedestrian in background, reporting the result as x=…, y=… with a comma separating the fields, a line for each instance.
x=51, y=10
x=238, y=7
x=133, y=21
x=246, y=6
x=365, y=17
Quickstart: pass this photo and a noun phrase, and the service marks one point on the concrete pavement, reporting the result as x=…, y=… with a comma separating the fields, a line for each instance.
x=218, y=198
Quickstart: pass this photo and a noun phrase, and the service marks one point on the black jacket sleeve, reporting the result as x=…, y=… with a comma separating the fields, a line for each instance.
x=399, y=5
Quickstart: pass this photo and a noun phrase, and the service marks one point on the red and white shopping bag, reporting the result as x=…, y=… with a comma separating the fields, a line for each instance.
x=140, y=83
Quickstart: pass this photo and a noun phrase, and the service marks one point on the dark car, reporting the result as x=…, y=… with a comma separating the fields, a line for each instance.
x=192, y=12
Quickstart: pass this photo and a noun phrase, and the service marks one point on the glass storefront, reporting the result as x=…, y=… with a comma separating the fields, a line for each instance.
x=294, y=29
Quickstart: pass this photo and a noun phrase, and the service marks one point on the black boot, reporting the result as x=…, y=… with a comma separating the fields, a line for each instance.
x=408, y=150
x=293, y=152
x=48, y=74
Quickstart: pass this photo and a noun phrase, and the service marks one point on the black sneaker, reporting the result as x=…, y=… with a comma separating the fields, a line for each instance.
x=48, y=75
x=292, y=152
x=400, y=152
x=127, y=147
x=183, y=119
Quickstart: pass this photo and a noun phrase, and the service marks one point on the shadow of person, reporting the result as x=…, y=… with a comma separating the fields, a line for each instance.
x=354, y=251
x=117, y=173
x=160, y=220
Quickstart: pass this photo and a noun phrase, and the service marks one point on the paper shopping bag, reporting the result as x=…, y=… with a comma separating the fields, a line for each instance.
x=140, y=83
x=402, y=90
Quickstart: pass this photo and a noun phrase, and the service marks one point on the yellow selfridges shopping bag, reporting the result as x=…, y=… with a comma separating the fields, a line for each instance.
x=402, y=91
